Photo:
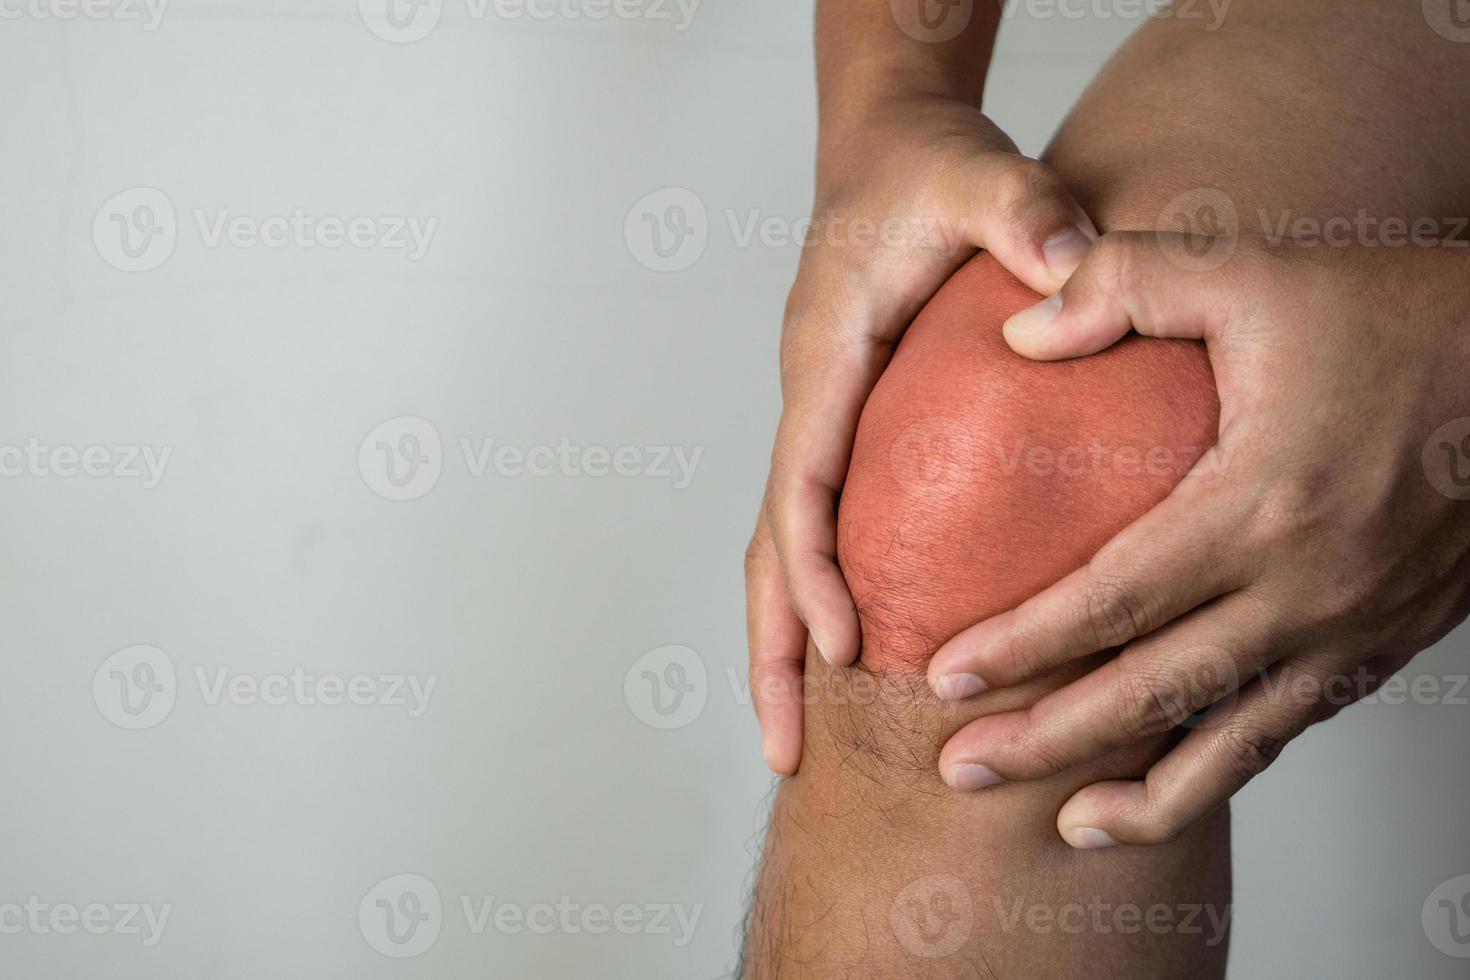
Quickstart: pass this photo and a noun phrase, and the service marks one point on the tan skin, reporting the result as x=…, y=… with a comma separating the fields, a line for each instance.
x=1355, y=134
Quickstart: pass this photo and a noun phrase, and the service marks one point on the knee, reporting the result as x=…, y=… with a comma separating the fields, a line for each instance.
x=978, y=477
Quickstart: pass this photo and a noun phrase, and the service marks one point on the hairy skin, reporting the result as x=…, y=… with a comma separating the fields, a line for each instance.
x=1301, y=109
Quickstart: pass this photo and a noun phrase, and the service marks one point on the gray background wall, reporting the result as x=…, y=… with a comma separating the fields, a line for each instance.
x=159, y=751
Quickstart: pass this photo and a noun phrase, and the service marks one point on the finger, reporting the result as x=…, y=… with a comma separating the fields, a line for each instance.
x=1205, y=769
x=777, y=655
x=1129, y=281
x=1155, y=685
x=830, y=362
x=805, y=528
x=1021, y=211
x=1180, y=554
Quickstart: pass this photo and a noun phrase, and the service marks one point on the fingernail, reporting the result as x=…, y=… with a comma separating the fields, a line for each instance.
x=1033, y=320
x=972, y=776
x=1089, y=838
x=957, y=687
x=1064, y=252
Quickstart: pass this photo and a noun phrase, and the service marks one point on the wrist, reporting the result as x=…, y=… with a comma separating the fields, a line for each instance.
x=909, y=126
x=858, y=88
x=865, y=56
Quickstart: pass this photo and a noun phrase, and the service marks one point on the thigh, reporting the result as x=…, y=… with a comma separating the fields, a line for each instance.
x=1277, y=112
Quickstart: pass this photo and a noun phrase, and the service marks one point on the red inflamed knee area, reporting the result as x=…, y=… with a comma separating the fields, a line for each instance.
x=978, y=477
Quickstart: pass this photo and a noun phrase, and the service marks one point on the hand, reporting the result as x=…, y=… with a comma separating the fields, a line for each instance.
x=1320, y=545
x=905, y=194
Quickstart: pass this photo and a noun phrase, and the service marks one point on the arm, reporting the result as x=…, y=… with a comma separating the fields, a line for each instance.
x=864, y=55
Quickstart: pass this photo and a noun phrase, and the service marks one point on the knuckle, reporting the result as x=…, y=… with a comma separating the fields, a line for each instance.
x=758, y=555
x=1261, y=270
x=1022, y=187
x=1113, y=266
x=762, y=554
x=796, y=302
x=814, y=278
x=1287, y=512
x=772, y=685
x=1159, y=828
x=1348, y=599
x=1122, y=268
x=808, y=329
x=1276, y=519
x=1113, y=614
x=1152, y=704
x=820, y=281
x=1018, y=659
x=1249, y=751
x=1045, y=755
x=755, y=672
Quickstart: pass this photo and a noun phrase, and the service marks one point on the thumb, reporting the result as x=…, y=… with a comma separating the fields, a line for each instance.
x=1021, y=211
x=1128, y=281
